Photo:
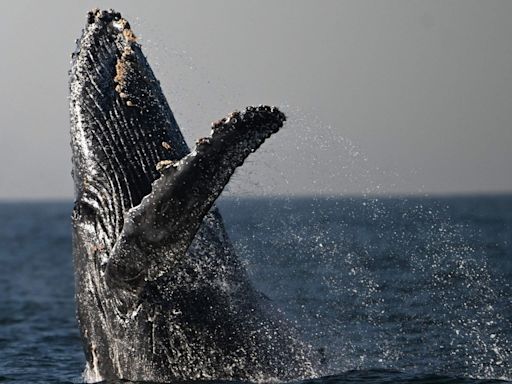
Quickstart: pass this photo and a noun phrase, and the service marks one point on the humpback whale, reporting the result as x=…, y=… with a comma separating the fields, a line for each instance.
x=160, y=292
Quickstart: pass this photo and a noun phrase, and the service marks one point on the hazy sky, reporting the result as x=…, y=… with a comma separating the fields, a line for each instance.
x=383, y=96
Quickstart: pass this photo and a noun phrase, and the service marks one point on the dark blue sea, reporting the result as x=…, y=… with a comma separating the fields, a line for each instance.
x=390, y=290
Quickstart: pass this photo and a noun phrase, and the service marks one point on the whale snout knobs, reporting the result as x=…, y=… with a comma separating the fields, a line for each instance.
x=161, y=294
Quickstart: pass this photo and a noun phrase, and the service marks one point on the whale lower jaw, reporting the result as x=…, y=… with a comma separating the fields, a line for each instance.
x=161, y=295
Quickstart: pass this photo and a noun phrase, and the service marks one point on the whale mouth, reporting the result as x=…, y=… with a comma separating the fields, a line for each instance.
x=121, y=123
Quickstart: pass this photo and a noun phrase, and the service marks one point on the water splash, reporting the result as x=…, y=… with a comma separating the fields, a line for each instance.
x=379, y=283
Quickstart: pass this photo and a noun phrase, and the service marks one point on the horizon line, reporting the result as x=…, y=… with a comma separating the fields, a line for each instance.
x=277, y=196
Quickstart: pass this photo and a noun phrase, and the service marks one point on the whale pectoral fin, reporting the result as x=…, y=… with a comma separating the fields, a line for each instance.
x=169, y=217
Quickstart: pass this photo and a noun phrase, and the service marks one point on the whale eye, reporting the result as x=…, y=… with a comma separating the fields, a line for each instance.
x=83, y=211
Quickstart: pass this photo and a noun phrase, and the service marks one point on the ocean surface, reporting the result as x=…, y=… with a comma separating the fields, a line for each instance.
x=390, y=290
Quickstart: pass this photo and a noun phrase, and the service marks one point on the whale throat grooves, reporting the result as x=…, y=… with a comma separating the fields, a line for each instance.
x=161, y=294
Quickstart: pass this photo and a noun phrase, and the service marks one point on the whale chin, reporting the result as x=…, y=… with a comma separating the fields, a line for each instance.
x=160, y=292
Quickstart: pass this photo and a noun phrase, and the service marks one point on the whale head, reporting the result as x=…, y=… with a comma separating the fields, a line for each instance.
x=123, y=132
x=121, y=123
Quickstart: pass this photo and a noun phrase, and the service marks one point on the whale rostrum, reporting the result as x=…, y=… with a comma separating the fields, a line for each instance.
x=160, y=292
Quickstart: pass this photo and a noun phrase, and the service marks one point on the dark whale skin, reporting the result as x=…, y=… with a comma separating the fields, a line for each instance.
x=161, y=295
